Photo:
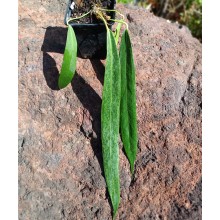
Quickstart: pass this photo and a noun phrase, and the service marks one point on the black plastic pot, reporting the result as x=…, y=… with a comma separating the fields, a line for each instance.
x=91, y=38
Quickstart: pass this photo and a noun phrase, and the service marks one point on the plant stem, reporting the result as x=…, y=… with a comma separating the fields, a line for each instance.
x=120, y=21
x=103, y=9
x=72, y=19
x=103, y=19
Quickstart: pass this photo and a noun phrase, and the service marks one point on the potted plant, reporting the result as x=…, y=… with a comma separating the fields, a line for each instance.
x=118, y=113
x=90, y=31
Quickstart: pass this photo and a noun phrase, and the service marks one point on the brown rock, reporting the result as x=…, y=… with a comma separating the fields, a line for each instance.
x=60, y=162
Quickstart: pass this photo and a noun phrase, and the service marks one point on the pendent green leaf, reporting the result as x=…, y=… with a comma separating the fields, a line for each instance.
x=110, y=121
x=128, y=119
x=69, y=59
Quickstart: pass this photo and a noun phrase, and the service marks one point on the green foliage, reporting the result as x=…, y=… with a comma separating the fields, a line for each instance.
x=192, y=17
x=69, y=59
x=117, y=32
x=186, y=12
x=119, y=99
x=128, y=120
x=125, y=1
x=118, y=109
x=110, y=120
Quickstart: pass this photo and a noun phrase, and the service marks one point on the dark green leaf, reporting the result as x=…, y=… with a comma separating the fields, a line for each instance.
x=69, y=59
x=128, y=120
x=110, y=121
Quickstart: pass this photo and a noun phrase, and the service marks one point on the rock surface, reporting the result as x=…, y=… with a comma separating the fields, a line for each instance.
x=60, y=162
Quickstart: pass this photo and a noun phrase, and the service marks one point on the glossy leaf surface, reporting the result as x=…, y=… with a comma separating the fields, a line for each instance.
x=128, y=120
x=69, y=59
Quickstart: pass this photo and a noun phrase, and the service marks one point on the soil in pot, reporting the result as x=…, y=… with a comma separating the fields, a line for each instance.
x=81, y=7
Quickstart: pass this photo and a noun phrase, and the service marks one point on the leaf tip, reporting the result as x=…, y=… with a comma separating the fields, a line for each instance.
x=115, y=213
x=60, y=84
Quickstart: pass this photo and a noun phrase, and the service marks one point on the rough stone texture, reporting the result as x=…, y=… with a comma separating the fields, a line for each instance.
x=60, y=163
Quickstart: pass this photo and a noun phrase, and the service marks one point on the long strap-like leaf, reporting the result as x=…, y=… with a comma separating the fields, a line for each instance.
x=69, y=59
x=128, y=120
x=110, y=121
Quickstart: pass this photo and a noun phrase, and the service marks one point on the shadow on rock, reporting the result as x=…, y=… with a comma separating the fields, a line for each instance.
x=92, y=102
x=50, y=71
x=54, y=41
x=99, y=69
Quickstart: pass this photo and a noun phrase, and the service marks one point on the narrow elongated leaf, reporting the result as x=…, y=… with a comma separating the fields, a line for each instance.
x=128, y=120
x=69, y=59
x=110, y=121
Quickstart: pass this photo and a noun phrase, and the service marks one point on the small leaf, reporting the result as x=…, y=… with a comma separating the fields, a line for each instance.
x=117, y=32
x=128, y=119
x=69, y=59
x=110, y=121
